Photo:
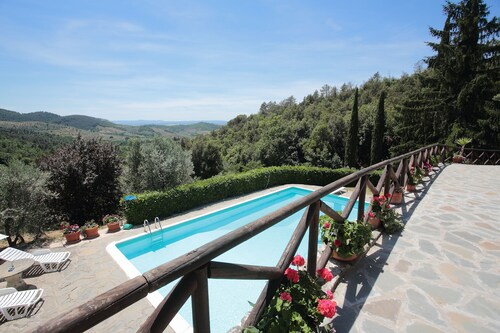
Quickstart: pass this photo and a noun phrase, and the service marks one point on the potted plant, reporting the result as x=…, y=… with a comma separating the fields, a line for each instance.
x=112, y=221
x=435, y=160
x=427, y=167
x=461, y=142
x=90, y=229
x=299, y=304
x=376, y=208
x=347, y=239
x=71, y=232
x=414, y=177
x=397, y=196
x=390, y=219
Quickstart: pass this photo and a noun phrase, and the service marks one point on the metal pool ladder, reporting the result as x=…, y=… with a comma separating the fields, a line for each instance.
x=146, y=224
x=158, y=223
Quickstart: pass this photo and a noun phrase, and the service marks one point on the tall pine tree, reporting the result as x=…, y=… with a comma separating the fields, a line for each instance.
x=466, y=65
x=378, y=146
x=351, y=149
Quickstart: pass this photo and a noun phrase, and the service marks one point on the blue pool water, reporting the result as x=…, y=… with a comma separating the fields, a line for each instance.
x=229, y=299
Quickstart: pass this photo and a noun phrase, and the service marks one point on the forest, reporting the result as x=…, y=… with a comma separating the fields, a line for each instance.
x=452, y=94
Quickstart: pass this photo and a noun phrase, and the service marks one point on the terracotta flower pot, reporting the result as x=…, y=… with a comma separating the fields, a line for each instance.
x=92, y=232
x=374, y=222
x=335, y=255
x=397, y=198
x=72, y=238
x=458, y=159
x=411, y=187
x=113, y=226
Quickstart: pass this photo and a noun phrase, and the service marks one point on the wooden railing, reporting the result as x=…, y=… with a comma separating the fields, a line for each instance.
x=474, y=156
x=196, y=267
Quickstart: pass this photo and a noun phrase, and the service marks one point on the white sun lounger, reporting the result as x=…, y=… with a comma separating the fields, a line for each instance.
x=49, y=261
x=340, y=191
x=16, y=304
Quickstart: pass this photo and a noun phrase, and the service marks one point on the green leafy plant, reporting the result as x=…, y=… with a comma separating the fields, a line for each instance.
x=391, y=220
x=415, y=175
x=346, y=238
x=299, y=304
x=435, y=159
x=89, y=225
x=462, y=142
x=111, y=218
x=68, y=228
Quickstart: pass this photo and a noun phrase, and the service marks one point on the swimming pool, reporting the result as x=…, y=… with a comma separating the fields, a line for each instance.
x=142, y=253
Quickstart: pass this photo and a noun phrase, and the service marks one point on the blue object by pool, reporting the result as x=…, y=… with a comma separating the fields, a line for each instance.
x=130, y=197
x=229, y=299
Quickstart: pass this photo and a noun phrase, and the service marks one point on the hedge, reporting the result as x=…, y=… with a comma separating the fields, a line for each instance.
x=148, y=205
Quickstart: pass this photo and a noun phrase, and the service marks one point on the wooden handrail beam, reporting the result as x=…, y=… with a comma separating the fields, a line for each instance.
x=223, y=270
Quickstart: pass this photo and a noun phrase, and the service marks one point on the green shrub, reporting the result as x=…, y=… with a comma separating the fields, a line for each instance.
x=185, y=197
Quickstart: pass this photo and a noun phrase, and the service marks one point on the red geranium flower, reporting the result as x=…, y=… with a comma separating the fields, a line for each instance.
x=371, y=214
x=337, y=243
x=327, y=307
x=286, y=296
x=325, y=274
x=298, y=260
x=388, y=195
x=326, y=225
x=292, y=275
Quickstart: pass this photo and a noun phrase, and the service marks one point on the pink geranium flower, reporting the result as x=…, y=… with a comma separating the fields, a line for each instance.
x=371, y=214
x=292, y=275
x=326, y=225
x=298, y=260
x=329, y=294
x=286, y=296
x=325, y=274
x=327, y=307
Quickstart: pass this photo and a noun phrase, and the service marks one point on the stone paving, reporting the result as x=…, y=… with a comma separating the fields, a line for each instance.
x=442, y=273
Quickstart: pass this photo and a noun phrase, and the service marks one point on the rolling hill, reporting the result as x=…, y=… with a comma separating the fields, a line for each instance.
x=29, y=136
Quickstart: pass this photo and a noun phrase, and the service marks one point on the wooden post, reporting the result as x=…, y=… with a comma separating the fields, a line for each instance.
x=387, y=183
x=201, y=314
x=404, y=173
x=312, y=252
x=168, y=308
x=361, y=200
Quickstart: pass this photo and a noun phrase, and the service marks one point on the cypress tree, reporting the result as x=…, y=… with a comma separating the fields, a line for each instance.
x=351, y=149
x=377, y=153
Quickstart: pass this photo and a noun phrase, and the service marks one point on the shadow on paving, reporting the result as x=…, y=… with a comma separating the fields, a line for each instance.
x=358, y=287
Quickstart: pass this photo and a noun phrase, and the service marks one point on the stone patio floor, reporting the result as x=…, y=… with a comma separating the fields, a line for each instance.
x=441, y=274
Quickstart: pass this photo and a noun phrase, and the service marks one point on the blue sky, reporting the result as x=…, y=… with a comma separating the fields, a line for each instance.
x=195, y=60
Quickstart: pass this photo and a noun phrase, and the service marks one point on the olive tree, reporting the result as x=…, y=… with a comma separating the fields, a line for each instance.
x=23, y=201
x=157, y=165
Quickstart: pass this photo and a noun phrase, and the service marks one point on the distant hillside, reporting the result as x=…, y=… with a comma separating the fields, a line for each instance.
x=29, y=136
x=166, y=123
x=81, y=122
